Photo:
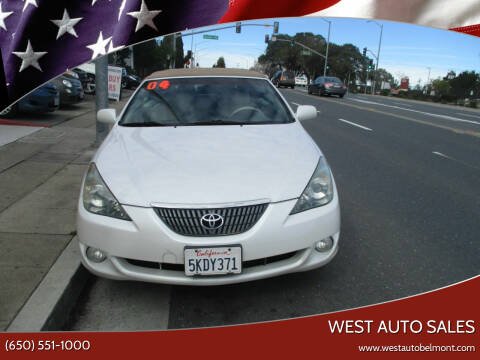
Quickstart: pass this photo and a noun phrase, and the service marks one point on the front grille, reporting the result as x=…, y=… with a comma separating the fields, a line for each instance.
x=187, y=222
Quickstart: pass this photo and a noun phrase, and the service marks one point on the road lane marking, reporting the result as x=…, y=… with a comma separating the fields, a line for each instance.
x=352, y=123
x=443, y=127
x=296, y=104
x=475, y=116
x=455, y=160
x=446, y=117
x=440, y=154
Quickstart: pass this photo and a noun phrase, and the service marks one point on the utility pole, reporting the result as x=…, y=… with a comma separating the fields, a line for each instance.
x=101, y=95
x=378, y=53
x=174, y=49
x=328, y=44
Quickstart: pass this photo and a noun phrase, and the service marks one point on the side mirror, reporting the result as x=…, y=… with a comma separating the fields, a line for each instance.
x=107, y=116
x=306, y=112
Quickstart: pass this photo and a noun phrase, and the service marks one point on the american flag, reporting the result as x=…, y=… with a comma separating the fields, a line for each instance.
x=40, y=39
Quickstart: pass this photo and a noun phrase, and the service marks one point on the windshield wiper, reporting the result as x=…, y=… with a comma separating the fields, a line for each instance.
x=214, y=122
x=141, y=124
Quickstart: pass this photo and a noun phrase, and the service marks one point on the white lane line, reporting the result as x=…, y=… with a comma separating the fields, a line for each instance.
x=352, y=123
x=402, y=104
x=446, y=117
x=440, y=154
x=296, y=104
x=475, y=116
x=454, y=160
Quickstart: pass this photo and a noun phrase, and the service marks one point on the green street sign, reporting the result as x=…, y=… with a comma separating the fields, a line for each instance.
x=305, y=52
x=210, y=37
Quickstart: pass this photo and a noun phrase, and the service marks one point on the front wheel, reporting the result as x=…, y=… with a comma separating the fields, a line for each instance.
x=340, y=96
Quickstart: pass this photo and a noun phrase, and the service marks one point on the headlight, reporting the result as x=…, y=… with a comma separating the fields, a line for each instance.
x=319, y=190
x=67, y=83
x=97, y=197
x=72, y=74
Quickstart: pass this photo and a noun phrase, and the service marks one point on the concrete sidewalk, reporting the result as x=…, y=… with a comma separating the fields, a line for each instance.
x=40, y=178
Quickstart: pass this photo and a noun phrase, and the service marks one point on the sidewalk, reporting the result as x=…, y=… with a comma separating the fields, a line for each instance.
x=40, y=178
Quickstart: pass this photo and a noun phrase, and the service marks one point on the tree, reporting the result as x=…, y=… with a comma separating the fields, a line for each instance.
x=220, y=63
x=463, y=84
x=441, y=87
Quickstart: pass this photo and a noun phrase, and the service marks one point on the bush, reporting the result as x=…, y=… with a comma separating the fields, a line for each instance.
x=384, y=92
x=473, y=104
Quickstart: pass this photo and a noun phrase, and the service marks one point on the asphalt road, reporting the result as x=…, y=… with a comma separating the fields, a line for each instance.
x=408, y=176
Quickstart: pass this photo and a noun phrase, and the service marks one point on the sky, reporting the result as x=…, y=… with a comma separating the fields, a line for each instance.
x=406, y=50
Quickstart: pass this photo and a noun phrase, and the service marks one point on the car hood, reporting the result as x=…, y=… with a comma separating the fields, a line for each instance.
x=199, y=165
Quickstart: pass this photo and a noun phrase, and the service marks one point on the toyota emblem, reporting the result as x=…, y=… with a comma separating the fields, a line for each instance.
x=211, y=221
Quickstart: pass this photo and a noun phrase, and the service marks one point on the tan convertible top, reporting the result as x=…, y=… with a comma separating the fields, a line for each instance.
x=205, y=72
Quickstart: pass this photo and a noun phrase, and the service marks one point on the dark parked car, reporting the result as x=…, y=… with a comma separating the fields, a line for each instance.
x=284, y=78
x=129, y=81
x=327, y=85
x=44, y=99
x=87, y=79
x=70, y=88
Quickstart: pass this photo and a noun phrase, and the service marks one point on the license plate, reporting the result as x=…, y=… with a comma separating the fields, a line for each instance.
x=218, y=260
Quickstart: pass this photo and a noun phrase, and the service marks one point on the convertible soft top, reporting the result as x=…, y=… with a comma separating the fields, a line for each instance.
x=205, y=72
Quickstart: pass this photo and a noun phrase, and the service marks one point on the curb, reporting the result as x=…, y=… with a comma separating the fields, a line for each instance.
x=49, y=306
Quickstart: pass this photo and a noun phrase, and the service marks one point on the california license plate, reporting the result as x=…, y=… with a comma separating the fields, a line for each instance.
x=218, y=260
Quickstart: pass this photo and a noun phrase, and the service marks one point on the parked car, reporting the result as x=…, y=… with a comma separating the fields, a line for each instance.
x=70, y=88
x=129, y=81
x=327, y=85
x=284, y=78
x=206, y=178
x=46, y=98
x=87, y=79
x=301, y=80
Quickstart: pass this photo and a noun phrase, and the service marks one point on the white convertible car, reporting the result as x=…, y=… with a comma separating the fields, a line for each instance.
x=206, y=178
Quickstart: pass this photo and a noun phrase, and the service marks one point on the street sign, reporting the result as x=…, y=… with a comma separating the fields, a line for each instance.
x=210, y=37
x=305, y=52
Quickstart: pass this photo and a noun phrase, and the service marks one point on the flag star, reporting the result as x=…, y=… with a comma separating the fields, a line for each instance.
x=122, y=7
x=3, y=16
x=27, y=2
x=99, y=47
x=66, y=24
x=29, y=57
x=144, y=17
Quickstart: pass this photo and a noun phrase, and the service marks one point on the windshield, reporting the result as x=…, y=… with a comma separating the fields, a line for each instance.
x=333, y=80
x=206, y=101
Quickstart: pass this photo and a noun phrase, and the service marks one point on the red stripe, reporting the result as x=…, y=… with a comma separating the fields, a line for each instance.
x=470, y=30
x=254, y=9
x=22, y=123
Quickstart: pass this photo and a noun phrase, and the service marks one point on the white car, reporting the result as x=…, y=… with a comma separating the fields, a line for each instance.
x=207, y=177
x=301, y=80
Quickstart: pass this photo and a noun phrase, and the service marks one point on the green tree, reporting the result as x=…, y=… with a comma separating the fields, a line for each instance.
x=220, y=63
x=463, y=84
x=441, y=87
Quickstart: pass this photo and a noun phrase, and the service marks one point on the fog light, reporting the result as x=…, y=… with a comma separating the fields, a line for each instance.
x=95, y=255
x=324, y=244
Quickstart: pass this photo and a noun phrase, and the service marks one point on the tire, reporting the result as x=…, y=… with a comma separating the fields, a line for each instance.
x=340, y=96
x=293, y=86
x=9, y=112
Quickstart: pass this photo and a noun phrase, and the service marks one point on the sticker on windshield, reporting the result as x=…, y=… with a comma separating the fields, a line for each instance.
x=165, y=84
x=152, y=85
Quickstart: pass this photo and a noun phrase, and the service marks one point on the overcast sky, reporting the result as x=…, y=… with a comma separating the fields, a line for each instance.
x=406, y=49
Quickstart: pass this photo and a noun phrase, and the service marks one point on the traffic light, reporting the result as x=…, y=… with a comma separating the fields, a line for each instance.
x=238, y=27
x=266, y=39
x=364, y=51
x=292, y=43
x=275, y=27
x=370, y=65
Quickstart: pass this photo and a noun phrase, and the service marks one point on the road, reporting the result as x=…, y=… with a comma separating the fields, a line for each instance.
x=408, y=176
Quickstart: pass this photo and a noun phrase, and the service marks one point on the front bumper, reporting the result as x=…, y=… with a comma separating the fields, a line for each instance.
x=146, y=238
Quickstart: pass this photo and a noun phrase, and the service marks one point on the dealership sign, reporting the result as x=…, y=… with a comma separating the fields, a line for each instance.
x=114, y=82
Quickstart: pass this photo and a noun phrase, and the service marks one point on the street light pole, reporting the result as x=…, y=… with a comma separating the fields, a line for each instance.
x=378, y=54
x=328, y=44
x=428, y=79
